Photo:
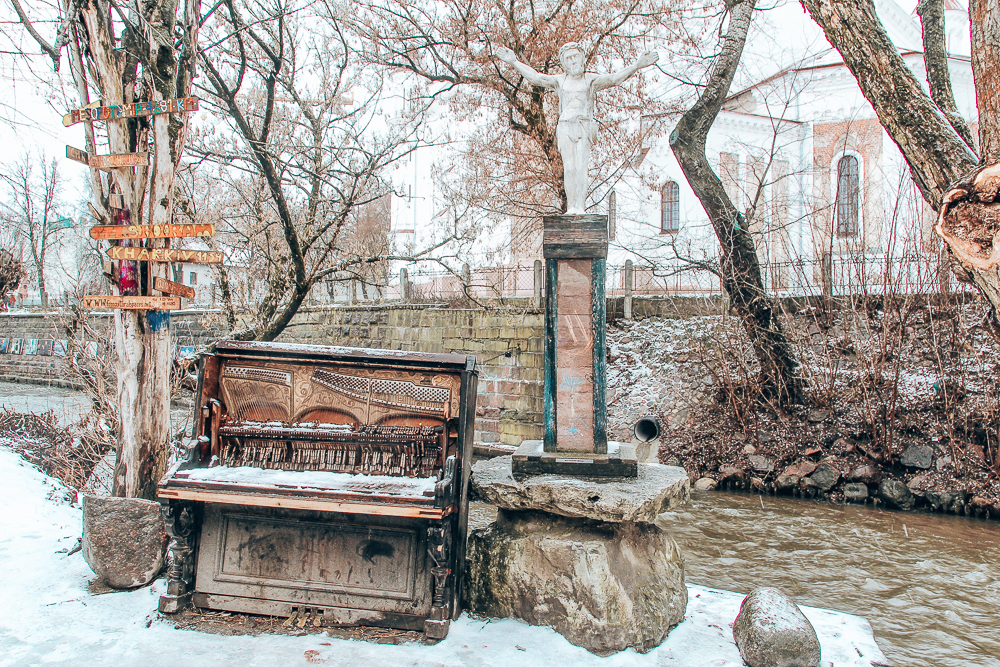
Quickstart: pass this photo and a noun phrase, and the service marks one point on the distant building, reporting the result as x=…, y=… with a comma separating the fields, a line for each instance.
x=829, y=197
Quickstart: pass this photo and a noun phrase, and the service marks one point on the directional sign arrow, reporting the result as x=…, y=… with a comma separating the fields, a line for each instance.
x=170, y=287
x=165, y=255
x=102, y=302
x=150, y=231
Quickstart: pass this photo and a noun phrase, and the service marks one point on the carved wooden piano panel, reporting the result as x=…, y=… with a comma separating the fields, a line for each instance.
x=326, y=484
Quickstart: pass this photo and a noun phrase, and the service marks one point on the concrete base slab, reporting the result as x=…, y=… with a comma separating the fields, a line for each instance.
x=532, y=459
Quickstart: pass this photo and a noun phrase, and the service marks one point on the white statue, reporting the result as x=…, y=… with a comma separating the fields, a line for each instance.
x=576, y=129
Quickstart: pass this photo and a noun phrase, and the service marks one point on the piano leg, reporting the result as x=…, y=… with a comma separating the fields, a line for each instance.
x=181, y=519
x=439, y=550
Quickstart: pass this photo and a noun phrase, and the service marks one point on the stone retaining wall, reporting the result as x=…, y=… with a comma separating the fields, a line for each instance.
x=507, y=344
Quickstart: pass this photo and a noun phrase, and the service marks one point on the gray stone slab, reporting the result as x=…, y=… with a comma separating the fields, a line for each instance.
x=532, y=459
x=656, y=489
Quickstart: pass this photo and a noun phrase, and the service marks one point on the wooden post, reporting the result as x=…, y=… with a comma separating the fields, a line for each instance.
x=826, y=269
x=629, y=283
x=538, y=283
x=612, y=215
x=944, y=271
x=404, y=285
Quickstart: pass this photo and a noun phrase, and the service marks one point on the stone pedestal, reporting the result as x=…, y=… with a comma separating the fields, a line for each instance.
x=582, y=555
x=575, y=248
x=606, y=587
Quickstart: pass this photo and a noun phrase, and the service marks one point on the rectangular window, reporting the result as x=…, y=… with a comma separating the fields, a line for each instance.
x=670, y=208
x=848, y=196
x=192, y=278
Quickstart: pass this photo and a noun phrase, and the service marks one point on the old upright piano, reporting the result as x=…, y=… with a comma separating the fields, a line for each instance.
x=324, y=484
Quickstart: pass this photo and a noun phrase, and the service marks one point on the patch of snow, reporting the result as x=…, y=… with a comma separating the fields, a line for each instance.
x=47, y=616
x=311, y=479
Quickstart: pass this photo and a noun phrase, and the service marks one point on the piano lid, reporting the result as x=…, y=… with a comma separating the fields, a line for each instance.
x=336, y=353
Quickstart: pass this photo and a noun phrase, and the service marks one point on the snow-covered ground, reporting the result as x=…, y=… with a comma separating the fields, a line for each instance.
x=47, y=615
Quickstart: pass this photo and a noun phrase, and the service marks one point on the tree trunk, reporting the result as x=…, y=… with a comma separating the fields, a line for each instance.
x=939, y=160
x=141, y=339
x=740, y=266
x=936, y=63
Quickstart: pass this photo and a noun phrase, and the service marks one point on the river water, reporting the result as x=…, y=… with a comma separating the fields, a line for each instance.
x=928, y=583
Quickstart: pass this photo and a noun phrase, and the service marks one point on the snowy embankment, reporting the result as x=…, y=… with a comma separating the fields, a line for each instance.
x=47, y=615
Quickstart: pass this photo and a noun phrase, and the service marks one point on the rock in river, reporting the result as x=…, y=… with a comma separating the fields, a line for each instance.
x=705, y=484
x=124, y=540
x=896, y=494
x=855, y=492
x=605, y=587
x=823, y=478
x=771, y=631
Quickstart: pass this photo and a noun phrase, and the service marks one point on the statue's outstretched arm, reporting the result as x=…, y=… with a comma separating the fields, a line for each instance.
x=614, y=78
x=530, y=75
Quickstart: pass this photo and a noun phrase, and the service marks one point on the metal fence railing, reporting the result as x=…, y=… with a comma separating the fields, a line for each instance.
x=831, y=275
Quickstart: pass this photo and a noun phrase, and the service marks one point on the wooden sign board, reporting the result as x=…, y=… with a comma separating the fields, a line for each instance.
x=116, y=201
x=108, y=162
x=170, y=287
x=108, y=302
x=165, y=255
x=118, y=111
x=150, y=231
x=78, y=155
x=119, y=160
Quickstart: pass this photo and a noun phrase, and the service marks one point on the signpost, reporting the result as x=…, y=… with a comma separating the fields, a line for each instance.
x=165, y=255
x=150, y=231
x=118, y=111
x=97, y=111
x=170, y=287
x=101, y=302
x=107, y=162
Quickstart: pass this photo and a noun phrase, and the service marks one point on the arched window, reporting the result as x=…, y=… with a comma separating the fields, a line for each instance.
x=670, y=208
x=848, y=196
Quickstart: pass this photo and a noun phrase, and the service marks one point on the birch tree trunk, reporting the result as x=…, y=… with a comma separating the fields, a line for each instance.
x=152, y=60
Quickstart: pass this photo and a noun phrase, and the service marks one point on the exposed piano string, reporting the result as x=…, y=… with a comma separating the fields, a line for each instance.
x=409, y=451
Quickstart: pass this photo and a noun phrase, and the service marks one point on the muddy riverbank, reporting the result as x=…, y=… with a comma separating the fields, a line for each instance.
x=901, y=405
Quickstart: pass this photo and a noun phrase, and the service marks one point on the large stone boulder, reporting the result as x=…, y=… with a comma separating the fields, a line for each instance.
x=657, y=489
x=124, y=540
x=605, y=587
x=771, y=631
x=823, y=478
